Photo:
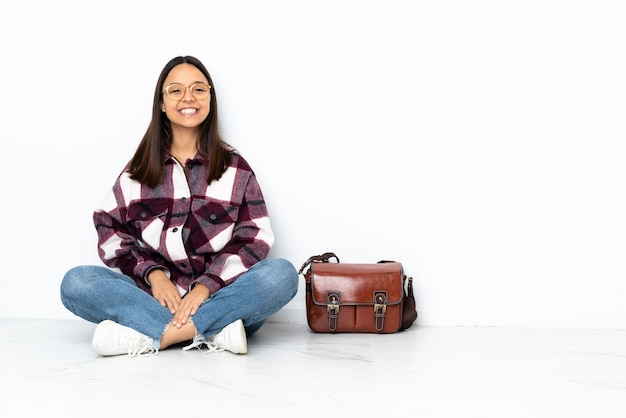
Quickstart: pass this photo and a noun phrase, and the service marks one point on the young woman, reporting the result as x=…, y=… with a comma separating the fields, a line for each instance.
x=185, y=234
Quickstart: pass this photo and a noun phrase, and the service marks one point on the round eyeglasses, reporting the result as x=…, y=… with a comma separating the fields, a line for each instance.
x=177, y=91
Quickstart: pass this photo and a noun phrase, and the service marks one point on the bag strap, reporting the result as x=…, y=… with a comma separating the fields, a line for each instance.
x=324, y=258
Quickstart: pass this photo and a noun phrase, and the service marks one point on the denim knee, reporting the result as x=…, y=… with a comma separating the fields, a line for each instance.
x=71, y=284
x=78, y=281
x=284, y=275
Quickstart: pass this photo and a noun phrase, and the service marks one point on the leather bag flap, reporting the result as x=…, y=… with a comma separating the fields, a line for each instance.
x=357, y=283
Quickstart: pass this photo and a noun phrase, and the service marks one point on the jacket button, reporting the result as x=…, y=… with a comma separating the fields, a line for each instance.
x=213, y=216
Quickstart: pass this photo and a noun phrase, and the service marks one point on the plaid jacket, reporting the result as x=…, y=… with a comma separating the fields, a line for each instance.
x=197, y=233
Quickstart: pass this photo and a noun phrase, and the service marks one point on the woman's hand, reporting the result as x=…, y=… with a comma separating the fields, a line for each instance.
x=190, y=304
x=164, y=290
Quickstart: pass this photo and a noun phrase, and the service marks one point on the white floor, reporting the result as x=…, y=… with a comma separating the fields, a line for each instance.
x=49, y=370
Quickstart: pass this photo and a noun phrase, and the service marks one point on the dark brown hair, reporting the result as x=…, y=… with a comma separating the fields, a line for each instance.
x=146, y=165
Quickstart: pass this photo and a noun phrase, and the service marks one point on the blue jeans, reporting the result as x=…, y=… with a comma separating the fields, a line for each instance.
x=96, y=293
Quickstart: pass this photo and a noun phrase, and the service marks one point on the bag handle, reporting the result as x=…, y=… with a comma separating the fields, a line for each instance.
x=324, y=258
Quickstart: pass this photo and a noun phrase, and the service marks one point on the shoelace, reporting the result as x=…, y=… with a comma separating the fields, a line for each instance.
x=142, y=348
x=199, y=341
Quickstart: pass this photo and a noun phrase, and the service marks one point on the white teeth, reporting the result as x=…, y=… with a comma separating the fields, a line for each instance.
x=188, y=111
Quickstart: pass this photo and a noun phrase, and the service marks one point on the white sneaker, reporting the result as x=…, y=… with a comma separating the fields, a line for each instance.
x=232, y=338
x=113, y=339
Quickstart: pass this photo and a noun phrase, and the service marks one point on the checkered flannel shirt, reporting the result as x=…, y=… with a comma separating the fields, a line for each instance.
x=195, y=232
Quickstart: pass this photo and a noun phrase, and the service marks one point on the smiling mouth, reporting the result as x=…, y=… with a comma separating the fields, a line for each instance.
x=188, y=111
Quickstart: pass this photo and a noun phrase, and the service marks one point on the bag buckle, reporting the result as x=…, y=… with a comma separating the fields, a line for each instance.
x=333, y=300
x=380, y=308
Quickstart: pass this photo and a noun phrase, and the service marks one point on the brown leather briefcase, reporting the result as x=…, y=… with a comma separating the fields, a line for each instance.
x=344, y=297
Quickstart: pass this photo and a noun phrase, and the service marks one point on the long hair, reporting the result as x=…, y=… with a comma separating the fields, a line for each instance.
x=146, y=166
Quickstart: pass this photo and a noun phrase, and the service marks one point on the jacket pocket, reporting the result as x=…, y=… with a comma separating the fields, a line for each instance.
x=148, y=218
x=215, y=212
x=213, y=225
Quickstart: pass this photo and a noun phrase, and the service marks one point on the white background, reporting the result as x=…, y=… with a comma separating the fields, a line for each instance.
x=480, y=143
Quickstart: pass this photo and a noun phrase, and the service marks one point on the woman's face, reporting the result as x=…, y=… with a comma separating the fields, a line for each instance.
x=187, y=104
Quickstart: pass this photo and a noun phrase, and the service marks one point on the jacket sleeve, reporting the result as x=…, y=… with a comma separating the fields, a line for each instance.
x=118, y=244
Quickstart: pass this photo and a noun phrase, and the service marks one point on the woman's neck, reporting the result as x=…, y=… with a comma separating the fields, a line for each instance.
x=184, y=146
